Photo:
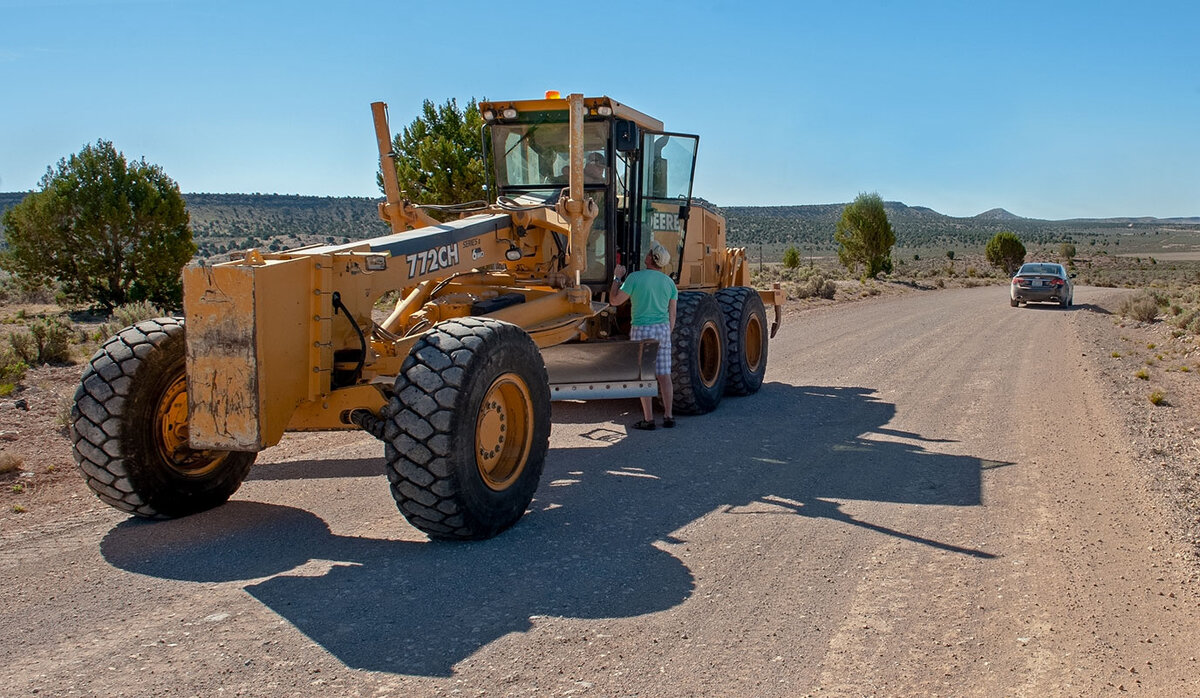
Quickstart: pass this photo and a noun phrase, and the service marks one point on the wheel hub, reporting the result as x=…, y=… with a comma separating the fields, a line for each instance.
x=752, y=344
x=710, y=354
x=503, y=431
x=171, y=428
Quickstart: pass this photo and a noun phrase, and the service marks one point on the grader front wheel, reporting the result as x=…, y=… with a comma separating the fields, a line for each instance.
x=129, y=427
x=467, y=429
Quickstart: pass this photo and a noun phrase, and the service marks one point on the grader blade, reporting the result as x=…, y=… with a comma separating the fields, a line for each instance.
x=601, y=370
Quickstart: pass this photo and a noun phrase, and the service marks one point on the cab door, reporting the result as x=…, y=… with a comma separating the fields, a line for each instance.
x=668, y=165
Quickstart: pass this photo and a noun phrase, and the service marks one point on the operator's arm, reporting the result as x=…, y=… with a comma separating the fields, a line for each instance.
x=615, y=295
x=671, y=313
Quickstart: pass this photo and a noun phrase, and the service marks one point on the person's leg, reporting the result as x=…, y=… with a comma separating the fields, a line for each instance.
x=666, y=392
x=662, y=372
x=648, y=406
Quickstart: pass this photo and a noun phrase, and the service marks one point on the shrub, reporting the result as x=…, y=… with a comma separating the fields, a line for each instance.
x=1143, y=374
x=791, y=257
x=816, y=286
x=128, y=314
x=1158, y=397
x=9, y=463
x=1185, y=318
x=15, y=290
x=12, y=369
x=48, y=340
x=1141, y=306
x=1005, y=251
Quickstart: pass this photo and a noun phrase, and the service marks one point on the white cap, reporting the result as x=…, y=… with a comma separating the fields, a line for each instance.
x=660, y=254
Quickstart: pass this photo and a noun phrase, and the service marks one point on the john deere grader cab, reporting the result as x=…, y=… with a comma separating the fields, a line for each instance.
x=499, y=311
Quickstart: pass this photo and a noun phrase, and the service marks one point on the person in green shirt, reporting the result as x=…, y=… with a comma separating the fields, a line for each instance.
x=653, y=295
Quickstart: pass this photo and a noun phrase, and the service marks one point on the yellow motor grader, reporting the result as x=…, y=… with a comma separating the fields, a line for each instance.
x=499, y=311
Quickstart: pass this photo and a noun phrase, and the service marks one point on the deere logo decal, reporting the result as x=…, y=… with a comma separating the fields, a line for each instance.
x=664, y=221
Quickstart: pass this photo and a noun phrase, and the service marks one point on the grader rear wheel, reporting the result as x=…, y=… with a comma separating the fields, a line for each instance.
x=745, y=337
x=698, y=359
x=467, y=429
x=130, y=431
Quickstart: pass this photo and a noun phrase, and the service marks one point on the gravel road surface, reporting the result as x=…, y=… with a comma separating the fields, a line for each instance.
x=931, y=495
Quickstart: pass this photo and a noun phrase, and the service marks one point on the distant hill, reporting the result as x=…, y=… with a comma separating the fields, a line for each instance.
x=812, y=226
x=998, y=214
x=224, y=222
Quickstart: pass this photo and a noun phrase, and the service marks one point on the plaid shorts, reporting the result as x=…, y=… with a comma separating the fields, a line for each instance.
x=661, y=332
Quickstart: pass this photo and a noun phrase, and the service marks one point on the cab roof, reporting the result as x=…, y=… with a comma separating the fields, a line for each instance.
x=591, y=104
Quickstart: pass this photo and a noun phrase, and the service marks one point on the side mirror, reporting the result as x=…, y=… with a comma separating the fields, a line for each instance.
x=625, y=136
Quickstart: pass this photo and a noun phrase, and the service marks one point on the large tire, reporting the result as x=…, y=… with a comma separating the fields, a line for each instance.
x=467, y=429
x=698, y=366
x=129, y=427
x=745, y=339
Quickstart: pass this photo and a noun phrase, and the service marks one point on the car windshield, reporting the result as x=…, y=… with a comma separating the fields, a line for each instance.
x=1041, y=269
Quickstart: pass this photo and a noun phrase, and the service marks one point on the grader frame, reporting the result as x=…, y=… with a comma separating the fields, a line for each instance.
x=498, y=313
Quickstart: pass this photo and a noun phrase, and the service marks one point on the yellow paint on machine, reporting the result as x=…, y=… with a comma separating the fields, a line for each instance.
x=254, y=350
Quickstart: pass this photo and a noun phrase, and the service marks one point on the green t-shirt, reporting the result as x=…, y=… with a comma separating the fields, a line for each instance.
x=651, y=292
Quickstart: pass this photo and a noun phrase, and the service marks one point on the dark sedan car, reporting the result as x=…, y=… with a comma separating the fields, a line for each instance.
x=1042, y=282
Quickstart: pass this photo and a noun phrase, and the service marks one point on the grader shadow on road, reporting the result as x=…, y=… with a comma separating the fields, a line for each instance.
x=595, y=543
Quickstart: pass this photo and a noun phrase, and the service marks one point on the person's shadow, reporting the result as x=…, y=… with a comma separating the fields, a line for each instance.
x=591, y=545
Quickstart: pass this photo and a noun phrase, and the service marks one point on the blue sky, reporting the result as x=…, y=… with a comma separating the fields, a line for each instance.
x=1048, y=109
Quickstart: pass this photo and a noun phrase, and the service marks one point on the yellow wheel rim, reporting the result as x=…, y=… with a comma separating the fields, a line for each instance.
x=171, y=430
x=710, y=354
x=752, y=344
x=504, y=431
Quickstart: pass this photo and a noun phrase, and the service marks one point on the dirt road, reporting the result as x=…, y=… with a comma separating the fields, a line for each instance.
x=930, y=496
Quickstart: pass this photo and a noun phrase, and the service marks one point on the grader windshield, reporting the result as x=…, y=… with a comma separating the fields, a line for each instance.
x=536, y=155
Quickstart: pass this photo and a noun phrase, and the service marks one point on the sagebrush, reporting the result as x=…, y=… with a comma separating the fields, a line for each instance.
x=128, y=314
x=46, y=341
x=1141, y=306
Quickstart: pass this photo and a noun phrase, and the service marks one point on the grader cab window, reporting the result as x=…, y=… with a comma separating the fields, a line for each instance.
x=538, y=154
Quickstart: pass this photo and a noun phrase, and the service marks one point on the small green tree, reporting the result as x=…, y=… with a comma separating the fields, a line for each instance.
x=950, y=255
x=1005, y=251
x=439, y=156
x=791, y=257
x=865, y=236
x=107, y=230
x=1067, y=250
